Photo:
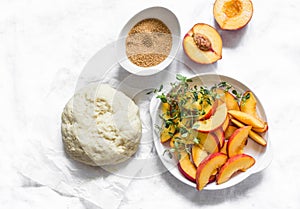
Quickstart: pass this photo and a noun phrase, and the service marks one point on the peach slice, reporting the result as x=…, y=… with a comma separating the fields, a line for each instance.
x=234, y=164
x=232, y=14
x=177, y=135
x=186, y=167
x=224, y=148
x=165, y=107
x=209, y=142
x=214, y=122
x=256, y=137
x=231, y=102
x=208, y=167
x=203, y=44
x=237, y=141
x=229, y=131
x=261, y=130
x=167, y=133
x=246, y=118
x=226, y=123
x=220, y=135
x=198, y=154
x=249, y=104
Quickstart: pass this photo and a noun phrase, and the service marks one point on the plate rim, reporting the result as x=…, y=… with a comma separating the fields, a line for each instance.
x=266, y=156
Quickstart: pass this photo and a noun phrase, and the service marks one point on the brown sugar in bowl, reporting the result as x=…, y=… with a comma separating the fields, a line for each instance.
x=149, y=41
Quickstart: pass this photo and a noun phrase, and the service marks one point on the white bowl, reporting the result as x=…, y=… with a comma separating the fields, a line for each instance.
x=169, y=19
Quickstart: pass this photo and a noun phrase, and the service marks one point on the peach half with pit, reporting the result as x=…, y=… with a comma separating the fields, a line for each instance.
x=233, y=14
x=203, y=44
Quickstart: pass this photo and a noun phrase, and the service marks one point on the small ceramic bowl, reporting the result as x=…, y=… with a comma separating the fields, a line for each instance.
x=169, y=19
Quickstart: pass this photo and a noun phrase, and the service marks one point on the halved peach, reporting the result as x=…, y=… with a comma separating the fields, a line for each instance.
x=186, y=167
x=208, y=167
x=203, y=44
x=214, y=122
x=234, y=164
x=233, y=14
x=246, y=118
x=229, y=131
x=237, y=141
x=231, y=102
x=256, y=137
x=198, y=154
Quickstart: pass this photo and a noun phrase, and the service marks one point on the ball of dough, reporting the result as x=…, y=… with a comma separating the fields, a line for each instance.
x=100, y=126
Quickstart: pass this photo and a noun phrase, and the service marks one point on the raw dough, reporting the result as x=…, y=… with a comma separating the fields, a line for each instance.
x=100, y=126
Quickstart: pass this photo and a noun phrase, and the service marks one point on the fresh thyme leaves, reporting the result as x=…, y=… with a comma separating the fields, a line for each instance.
x=196, y=141
x=184, y=105
x=169, y=152
x=245, y=97
x=182, y=78
x=223, y=84
x=156, y=90
x=162, y=97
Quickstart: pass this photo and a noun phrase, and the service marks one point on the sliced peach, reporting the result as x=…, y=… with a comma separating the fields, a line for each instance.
x=209, y=142
x=261, y=130
x=220, y=94
x=171, y=143
x=237, y=141
x=203, y=44
x=231, y=102
x=234, y=164
x=198, y=154
x=233, y=14
x=191, y=103
x=208, y=167
x=186, y=167
x=249, y=104
x=246, y=118
x=214, y=122
x=220, y=135
x=256, y=137
x=172, y=140
x=226, y=123
x=167, y=133
x=229, y=131
x=224, y=148
x=165, y=107
x=209, y=110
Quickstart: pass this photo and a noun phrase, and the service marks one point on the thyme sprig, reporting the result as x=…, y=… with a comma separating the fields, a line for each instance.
x=181, y=95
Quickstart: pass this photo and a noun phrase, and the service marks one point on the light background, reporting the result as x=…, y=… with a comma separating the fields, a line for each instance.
x=44, y=46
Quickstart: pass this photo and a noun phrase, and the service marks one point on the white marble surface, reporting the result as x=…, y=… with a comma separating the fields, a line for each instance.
x=44, y=46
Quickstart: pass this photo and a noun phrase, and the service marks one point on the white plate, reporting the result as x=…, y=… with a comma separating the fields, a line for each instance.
x=262, y=155
x=169, y=19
